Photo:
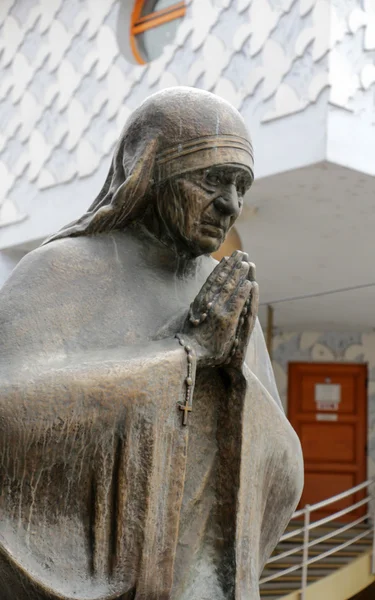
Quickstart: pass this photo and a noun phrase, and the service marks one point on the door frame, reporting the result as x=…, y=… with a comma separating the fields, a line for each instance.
x=292, y=392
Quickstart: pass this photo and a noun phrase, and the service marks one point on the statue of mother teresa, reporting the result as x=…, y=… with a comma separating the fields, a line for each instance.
x=145, y=454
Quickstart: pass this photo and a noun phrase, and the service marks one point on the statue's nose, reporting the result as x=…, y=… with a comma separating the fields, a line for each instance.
x=227, y=203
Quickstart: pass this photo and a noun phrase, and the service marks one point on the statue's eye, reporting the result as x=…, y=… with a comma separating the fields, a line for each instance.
x=212, y=178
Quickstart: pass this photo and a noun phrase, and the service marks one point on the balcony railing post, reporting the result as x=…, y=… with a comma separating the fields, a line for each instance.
x=306, y=512
x=305, y=555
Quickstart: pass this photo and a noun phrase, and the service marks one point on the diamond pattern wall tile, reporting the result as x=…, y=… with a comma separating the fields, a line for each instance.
x=66, y=91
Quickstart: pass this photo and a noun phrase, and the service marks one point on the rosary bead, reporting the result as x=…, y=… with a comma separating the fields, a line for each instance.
x=242, y=322
x=203, y=317
x=186, y=407
x=235, y=343
x=209, y=305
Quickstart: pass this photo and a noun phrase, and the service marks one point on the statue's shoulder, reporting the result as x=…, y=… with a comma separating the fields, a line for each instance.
x=77, y=249
x=57, y=261
x=68, y=257
x=75, y=261
x=55, y=254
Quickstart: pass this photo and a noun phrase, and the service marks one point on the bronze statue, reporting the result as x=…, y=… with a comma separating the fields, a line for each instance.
x=144, y=451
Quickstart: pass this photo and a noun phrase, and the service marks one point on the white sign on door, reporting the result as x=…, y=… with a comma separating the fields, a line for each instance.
x=325, y=417
x=327, y=396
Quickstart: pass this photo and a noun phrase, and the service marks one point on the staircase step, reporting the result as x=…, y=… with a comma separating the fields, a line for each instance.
x=285, y=584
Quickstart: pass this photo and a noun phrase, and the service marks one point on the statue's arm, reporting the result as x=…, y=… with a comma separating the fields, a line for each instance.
x=96, y=382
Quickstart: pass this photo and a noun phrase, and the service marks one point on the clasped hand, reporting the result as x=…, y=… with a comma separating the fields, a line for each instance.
x=223, y=315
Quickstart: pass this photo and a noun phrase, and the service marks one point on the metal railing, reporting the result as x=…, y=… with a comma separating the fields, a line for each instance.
x=309, y=525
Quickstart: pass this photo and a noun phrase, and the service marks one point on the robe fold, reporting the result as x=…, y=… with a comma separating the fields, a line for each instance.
x=103, y=493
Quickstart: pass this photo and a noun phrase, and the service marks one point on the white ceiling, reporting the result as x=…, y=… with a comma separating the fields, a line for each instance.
x=314, y=231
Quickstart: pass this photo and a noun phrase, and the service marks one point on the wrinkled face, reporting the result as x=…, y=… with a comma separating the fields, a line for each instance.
x=205, y=205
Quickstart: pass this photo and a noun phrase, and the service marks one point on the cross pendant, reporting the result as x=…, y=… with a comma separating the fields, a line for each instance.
x=187, y=409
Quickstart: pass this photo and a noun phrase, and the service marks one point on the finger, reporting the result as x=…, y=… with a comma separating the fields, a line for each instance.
x=201, y=303
x=254, y=299
x=250, y=310
x=224, y=268
x=233, y=263
x=238, y=299
x=225, y=296
x=249, y=314
x=234, y=309
x=246, y=325
x=214, y=282
x=220, y=268
x=230, y=289
x=252, y=272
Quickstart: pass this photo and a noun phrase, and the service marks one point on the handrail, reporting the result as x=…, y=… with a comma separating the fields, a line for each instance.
x=340, y=513
x=293, y=533
x=340, y=547
x=319, y=540
x=308, y=526
x=277, y=575
x=298, y=513
x=335, y=532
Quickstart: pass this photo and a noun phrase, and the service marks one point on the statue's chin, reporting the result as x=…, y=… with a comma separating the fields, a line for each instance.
x=199, y=245
x=208, y=245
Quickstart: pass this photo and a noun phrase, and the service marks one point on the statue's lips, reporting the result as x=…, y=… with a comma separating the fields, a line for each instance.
x=213, y=227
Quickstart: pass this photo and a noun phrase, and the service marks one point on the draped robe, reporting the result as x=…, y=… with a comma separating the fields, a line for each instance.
x=104, y=494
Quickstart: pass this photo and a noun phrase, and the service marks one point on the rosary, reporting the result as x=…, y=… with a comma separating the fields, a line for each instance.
x=187, y=405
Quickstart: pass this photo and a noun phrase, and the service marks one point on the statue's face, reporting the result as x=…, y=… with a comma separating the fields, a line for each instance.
x=209, y=201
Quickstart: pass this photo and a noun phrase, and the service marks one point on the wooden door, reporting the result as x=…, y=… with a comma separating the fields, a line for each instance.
x=328, y=409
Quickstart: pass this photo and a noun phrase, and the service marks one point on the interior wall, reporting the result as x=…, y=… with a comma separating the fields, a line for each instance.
x=313, y=346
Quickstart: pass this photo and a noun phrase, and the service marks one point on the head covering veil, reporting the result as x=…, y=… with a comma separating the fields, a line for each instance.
x=175, y=131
